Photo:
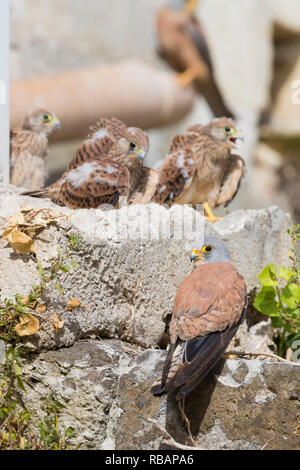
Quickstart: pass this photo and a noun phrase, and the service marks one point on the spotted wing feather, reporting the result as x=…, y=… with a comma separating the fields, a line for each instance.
x=94, y=184
x=175, y=175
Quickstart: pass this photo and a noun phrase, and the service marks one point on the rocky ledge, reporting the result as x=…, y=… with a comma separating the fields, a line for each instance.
x=131, y=262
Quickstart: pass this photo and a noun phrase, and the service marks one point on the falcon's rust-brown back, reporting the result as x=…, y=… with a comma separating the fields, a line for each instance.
x=210, y=299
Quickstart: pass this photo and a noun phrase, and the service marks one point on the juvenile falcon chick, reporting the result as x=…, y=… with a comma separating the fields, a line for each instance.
x=107, y=165
x=209, y=307
x=201, y=169
x=29, y=149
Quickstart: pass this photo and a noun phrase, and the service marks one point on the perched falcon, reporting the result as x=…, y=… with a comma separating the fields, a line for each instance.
x=200, y=168
x=29, y=149
x=107, y=165
x=93, y=184
x=183, y=45
x=209, y=307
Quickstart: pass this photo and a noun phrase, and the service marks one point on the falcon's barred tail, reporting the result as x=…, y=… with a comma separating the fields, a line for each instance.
x=172, y=361
x=40, y=193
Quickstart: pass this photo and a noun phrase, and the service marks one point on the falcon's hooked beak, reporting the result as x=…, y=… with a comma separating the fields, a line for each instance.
x=141, y=153
x=55, y=122
x=190, y=6
x=196, y=255
x=237, y=134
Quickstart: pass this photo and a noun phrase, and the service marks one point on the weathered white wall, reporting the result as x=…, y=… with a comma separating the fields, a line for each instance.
x=4, y=90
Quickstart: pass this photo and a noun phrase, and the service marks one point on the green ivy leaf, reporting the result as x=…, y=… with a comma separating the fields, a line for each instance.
x=268, y=276
x=285, y=273
x=265, y=301
x=290, y=295
x=277, y=322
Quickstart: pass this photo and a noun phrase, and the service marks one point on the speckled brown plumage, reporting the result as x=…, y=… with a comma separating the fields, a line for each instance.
x=101, y=141
x=94, y=184
x=200, y=167
x=183, y=44
x=122, y=150
x=29, y=149
x=209, y=306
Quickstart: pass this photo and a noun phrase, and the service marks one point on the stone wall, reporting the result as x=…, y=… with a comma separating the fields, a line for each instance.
x=102, y=362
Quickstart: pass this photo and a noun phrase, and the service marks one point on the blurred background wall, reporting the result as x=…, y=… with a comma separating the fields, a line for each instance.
x=256, y=53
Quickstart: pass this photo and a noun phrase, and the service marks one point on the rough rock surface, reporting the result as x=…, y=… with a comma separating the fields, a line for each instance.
x=105, y=387
x=131, y=264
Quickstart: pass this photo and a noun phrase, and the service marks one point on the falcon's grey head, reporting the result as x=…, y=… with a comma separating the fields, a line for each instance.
x=211, y=250
x=189, y=6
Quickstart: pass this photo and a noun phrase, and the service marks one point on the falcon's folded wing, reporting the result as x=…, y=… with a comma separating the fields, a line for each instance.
x=175, y=175
x=94, y=184
x=232, y=181
x=145, y=190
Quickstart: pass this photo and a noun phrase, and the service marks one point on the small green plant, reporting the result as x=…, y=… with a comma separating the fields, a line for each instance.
x=279, y=298
x=51, y=438
x=13, y=418
x=18, y=317
x=29, y=307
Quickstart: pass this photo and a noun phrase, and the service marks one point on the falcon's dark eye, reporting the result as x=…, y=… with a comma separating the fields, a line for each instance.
x=227, y=129
x=46, y=117
x=207, y=249
x=132, y=145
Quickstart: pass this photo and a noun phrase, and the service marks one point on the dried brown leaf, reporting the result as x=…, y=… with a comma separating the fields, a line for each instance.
x=19, y=241
x=57, y=323
x=73, y=303
x=40, y=308
x=28, y=326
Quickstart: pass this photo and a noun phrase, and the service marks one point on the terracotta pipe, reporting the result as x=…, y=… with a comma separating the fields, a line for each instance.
x=131, y=90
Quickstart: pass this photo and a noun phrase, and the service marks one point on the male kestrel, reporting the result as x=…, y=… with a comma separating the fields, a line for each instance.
x=107, y=165
x=183, y=45
x=200, y=169
x=209, y=307
x=29, y=149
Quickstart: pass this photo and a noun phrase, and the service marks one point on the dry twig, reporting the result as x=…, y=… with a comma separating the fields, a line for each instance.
x=170, y=441
x=257, y=354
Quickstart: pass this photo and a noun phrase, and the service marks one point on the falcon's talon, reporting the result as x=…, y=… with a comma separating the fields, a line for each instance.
x=210, y=215
x=213, y=219
x=186, y=78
